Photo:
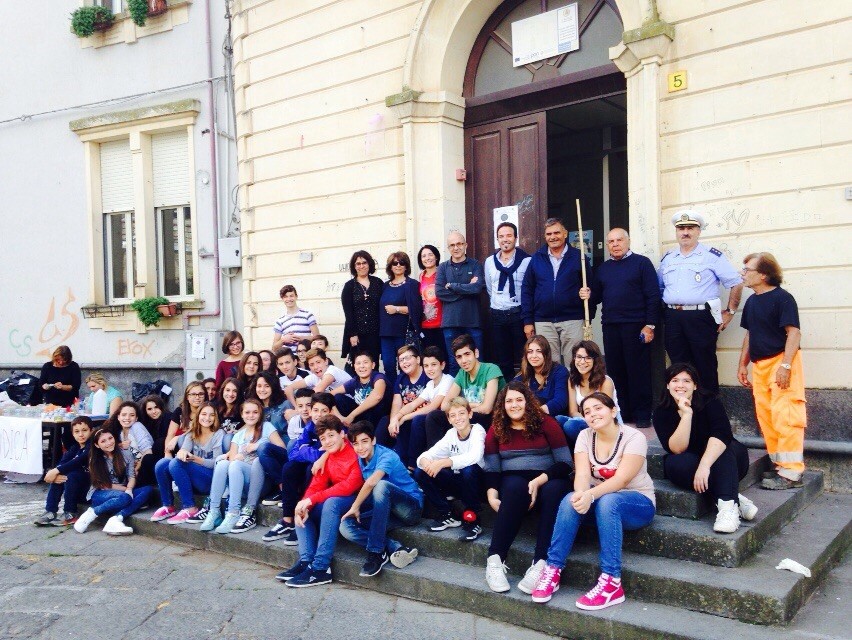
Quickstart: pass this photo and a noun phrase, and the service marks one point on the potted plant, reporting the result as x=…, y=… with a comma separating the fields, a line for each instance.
x=148, y=309
x=86, y=20
x=157, y=7
x=141, y=10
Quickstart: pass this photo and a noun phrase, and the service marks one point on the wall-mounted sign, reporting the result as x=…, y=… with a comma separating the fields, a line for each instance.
x=545, y=35
x=677, y=81
x=506, y=214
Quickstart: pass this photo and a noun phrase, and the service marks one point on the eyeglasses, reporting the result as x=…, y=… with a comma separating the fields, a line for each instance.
x=199, y=394
x=747, y=269
x=405, y=358
x=584, y=358
x=455, y=245
x=397, y=263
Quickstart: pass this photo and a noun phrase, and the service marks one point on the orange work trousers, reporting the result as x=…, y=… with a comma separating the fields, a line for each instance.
x=781, y=414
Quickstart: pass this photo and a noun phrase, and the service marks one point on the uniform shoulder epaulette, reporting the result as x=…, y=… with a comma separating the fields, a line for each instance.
x=715, y=252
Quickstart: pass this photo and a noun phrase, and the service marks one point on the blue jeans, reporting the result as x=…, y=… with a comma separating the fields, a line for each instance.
x=465, y=485
x=113, y=502
x=450, y=334
x=75, y=488
x=572, y=428
x=390, y=345
x=272, y=459
x=236, y=475
x=388, y=507
x=188, y=476
x=318, y=538
x=613, y=512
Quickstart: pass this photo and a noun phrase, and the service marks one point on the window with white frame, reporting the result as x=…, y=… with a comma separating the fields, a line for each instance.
x=119, y=228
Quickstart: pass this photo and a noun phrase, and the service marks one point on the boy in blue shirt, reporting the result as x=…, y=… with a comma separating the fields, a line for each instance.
x=392, y=498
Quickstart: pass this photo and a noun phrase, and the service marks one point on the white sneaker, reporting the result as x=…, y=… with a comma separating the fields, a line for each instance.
x=83, y=522
x=530, y=579
x=728, y=518
x=115, y=527
x=495, y=574
x=747, y=508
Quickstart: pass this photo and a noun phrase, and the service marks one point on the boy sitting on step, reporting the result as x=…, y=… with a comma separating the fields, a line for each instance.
x=317, y=515
x=454, y=467
x=389, y=498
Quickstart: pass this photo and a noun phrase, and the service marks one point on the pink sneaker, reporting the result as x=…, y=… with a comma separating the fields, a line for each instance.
x=182, y=516
x=162, y=513
x=548, y=583
x=605, y=594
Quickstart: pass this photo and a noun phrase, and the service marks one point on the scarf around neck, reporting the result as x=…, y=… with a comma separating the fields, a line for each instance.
x=507, y=273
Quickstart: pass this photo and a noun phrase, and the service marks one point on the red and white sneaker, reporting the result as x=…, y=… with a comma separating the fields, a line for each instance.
x=547, y=584
x=605, y=594
x=162, y=513
x=182, y=516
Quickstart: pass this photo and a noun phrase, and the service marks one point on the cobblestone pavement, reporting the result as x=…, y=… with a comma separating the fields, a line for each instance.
x=55, y=583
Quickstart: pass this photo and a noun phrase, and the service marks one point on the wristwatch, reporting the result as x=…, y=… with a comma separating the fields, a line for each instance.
x=651, y=326
x=786, y=366
x=733, y=312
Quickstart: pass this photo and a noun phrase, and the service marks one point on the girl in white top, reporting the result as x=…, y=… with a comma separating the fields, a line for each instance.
x=611, y=488
x=132, y=434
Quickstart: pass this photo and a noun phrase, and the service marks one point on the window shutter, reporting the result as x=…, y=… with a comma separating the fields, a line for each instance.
x=116, y=176
x=170, y=155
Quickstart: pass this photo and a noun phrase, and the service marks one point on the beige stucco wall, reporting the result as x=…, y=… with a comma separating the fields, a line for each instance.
x=757, y=142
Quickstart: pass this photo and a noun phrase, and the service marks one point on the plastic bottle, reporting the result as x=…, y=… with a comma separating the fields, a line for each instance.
x=99, y=403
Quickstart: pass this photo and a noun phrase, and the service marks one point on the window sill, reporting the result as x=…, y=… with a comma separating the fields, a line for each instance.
x=130, y=322
x=124, y=30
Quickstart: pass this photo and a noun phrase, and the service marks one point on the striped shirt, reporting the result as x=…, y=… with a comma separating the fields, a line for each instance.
x=526, y=457
x=299, y=323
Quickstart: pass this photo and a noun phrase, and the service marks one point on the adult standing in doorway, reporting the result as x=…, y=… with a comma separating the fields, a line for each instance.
x=631, y=311
x=428, y=259
x=689, y=278
x=458, y=284
x=360, y=301
x=553, y=292
x=771, y=344
x=296, y=324
x=504, y=277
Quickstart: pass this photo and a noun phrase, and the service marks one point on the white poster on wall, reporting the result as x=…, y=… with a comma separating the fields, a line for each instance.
x=20, y=445
x=506, y=214
x=545, y=35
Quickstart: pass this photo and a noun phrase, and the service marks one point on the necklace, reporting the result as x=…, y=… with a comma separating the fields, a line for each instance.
x=614, y=449
x=366, y=291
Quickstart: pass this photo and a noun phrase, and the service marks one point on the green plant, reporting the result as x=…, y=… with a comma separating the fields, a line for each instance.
x=138, y=10
x=146, y=309
x=84, y=19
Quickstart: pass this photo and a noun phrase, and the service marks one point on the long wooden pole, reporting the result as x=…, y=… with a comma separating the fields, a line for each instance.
x=587, y=326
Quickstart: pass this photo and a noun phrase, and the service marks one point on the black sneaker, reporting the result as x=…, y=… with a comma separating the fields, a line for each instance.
x=291, y=540
x=272, y=501
x=444, y=522
x=310, y=578
x=374, y=563
x=247, y=520
x=292, y=572
x=472, y=531
x=280, y=530
x=403, y=557
x=201, y=514
x=46, y=519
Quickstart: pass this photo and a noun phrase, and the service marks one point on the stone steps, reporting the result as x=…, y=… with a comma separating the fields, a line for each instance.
x=660, y=592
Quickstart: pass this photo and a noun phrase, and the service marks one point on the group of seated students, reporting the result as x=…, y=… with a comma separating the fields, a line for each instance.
x=361, y=456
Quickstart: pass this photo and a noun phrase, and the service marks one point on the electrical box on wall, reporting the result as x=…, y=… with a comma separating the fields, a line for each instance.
x=203, y=353
x=229, y=252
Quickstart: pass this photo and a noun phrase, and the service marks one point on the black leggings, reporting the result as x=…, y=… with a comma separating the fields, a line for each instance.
x=295, y=478
x=514, y=506
x=725, y=474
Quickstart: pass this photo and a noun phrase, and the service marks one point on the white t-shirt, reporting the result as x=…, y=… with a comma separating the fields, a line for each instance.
x=432, y=390
x=340, y=377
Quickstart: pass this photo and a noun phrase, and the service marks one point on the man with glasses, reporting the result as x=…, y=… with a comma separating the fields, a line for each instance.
x=689, y=278
x=458, y=283
x=553, y=293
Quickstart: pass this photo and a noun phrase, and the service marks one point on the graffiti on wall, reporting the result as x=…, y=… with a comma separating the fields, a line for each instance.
x=127, y=347
x=56, y=328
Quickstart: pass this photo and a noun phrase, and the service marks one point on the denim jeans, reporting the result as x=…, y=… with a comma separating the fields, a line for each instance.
x=572, y=428
x=390, y=345
x=466, y=485
x=114, y=502
x=387, y=508
x=613, y=512
x=318, y=538
x=236, y=474
x=450, y=334
x=188, y=476
x=272, y=459
x=75, y=488
x=409, y=443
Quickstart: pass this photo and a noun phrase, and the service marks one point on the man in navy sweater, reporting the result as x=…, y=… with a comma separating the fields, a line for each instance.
x=552, y=294
x=631, y=308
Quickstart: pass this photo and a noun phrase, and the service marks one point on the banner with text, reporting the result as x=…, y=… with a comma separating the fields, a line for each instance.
x=20, y=445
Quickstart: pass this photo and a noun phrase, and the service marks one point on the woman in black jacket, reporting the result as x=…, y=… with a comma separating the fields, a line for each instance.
x=360, y=300
x=703, y=455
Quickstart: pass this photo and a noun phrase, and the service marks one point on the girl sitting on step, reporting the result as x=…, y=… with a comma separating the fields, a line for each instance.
x=113, y=475
x=191, y=469
x=612, y=488
x=241, y=466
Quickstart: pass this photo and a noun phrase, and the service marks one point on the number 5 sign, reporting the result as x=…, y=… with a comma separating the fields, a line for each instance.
x=677, y=81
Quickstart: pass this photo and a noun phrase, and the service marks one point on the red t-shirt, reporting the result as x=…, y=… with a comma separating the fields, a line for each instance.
x=431, y=305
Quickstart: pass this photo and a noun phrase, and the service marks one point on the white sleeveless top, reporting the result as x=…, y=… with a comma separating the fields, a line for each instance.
x=579, y=396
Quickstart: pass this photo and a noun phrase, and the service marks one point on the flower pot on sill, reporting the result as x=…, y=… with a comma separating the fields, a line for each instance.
x=157, y=7
x=167, y=310
x=102, y=25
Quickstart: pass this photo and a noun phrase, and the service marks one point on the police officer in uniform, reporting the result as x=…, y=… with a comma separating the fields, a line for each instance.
x=689, y=278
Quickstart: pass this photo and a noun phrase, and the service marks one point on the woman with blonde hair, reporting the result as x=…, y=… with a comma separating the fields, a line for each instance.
x=97, y=381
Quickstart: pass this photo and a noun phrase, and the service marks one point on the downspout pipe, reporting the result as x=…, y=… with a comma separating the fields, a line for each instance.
x=214, y=176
